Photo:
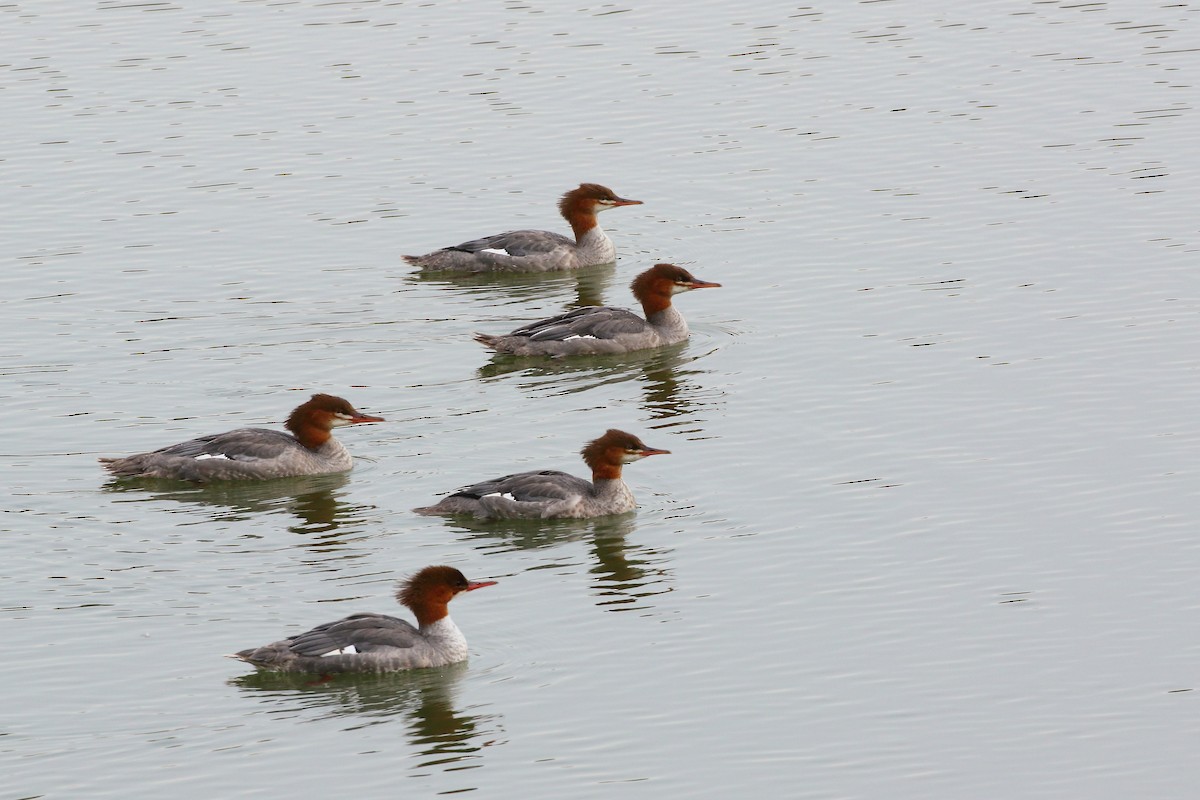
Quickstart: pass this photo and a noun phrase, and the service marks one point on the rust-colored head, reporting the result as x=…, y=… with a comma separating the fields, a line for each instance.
x=580, y=206
x=429, y=592
x=594, y=197
x=311, y=422
x=613, y=450
x=655, y=287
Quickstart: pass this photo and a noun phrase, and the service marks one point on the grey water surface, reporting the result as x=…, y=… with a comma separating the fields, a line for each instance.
x=928, y=529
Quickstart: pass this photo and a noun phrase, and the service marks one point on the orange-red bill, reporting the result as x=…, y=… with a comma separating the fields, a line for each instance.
x=473, y=585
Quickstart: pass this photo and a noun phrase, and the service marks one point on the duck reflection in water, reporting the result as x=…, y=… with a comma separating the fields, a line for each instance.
x=589, y=285
x=671, y=383
x=423, y=698
x=314, y=500
x=623, y=577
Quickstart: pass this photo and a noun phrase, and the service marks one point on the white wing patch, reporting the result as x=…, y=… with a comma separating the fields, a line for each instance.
x=505, y=495
x=348, y=650
x=500, y=251
x=579, y=336
x=203, y=456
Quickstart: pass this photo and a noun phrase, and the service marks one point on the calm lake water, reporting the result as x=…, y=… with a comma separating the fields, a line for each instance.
x=928, y=529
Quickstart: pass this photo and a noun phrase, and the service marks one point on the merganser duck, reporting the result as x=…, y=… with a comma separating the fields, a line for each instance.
x=551, y=494
x=538, y=251
x=255, y=453
x=377, y=642
x=595, y=330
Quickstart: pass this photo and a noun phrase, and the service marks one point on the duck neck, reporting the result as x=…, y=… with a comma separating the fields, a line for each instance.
x=606, y=473
x=310, y=435
x=582, y=220
x=429, y=612
x=655, y=303
x=661, y=314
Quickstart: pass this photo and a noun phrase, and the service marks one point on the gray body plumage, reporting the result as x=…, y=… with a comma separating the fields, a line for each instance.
x=522, y=251
x=245, y=453
x=538, y=495
x=592, y=330
x=363, y=643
